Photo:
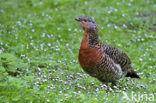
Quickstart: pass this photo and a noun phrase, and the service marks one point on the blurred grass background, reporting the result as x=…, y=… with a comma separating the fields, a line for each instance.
x=40, y=40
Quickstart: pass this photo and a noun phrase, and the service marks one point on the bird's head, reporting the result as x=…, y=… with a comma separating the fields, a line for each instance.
x=88, y=24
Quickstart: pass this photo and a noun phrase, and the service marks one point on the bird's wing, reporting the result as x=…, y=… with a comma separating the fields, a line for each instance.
x=118, y=56
x=108, y=70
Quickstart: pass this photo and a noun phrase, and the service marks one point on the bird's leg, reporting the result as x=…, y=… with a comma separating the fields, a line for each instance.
x=113, y=84
x=105, y=84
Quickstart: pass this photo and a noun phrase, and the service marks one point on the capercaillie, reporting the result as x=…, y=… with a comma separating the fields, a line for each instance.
x=104, y=62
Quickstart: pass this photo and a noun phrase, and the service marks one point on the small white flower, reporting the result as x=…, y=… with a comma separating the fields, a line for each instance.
x=140, y=59
x=59, y=36
x=51, y=35
x=48, y=36
x=115, y=27
x=129, y=4
x=119, y=44
x=69, y=29
x=39, y=69
x=85, y=2
x=1, y=51
x=43, y=35
x=75, y=29
x=18, y=22
x=115, y=9
x=49, y=44
x=126, y=96
x=108, y=25
x=56, y=9
x=48, y=100
x=27, y=46
x=60, y=92
x=67, y=45
x=102, y=27
x=31, y=43
x=137, y=13
x=124, y=25
x=1, y=10
x=41, y=45
x=109, y=12
x=33, y=30
x=58, y=49
x=117, y=3
x=123, y=15
x=58, y=28
x=41, y=3
x=42, y=14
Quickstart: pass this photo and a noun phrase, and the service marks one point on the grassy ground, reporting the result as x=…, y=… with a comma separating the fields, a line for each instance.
x=40, y=40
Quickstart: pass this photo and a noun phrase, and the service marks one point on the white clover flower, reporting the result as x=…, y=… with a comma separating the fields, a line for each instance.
x=137, y=13
x=85, y=2
x=69, y=29
x=124, y=25
x=43, y=35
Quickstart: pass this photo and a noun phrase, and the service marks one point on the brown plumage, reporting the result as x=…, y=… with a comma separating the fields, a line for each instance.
x=105, y=62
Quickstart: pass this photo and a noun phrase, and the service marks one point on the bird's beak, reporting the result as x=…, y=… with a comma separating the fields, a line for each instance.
x=77, y=19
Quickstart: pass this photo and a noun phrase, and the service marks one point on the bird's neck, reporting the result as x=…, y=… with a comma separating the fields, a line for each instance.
x=92, y=38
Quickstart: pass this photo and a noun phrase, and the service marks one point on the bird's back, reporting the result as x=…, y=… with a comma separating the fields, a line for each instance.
x=118, y=56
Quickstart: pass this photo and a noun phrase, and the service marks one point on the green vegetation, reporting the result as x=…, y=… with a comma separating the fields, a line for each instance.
x=40, y=40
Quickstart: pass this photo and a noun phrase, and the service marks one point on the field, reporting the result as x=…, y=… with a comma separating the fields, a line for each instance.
x=40, y=41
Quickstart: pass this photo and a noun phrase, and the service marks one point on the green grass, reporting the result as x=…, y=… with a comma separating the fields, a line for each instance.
x=40, y=40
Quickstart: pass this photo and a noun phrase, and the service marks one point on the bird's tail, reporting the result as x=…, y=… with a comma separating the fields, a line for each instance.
x=131, y=73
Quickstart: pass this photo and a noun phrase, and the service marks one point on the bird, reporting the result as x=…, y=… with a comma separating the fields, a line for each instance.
x=104, y=62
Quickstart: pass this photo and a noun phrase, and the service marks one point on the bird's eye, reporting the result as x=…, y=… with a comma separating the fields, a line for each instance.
x=85, y=20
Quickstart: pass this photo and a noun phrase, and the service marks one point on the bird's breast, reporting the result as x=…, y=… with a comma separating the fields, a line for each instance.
x=88, y=56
